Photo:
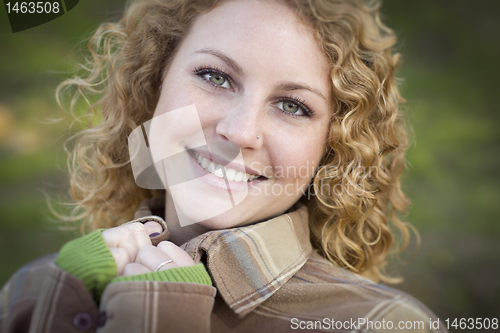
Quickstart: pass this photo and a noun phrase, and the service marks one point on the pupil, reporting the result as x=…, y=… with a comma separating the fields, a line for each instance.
x=217, y=79
x=290, y=107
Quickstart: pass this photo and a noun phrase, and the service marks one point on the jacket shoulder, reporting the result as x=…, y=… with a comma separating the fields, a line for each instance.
x=19, y=295
x=320, y=291
x=28, y=279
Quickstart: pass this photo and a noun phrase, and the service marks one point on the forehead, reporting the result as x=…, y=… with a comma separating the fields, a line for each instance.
x=260, y=34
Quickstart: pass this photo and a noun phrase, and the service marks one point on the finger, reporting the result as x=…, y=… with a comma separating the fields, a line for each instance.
x=153, y=229
x=180, y=257
x=121, y=257
x=135, y=269
x=131, y=237
x=152, y=257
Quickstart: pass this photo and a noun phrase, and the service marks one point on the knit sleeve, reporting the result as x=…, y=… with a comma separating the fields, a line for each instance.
x=89, y=259
x=189, y=274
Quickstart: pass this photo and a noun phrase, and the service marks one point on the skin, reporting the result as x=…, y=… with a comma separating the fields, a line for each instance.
x=238, y=100
x=134, y=254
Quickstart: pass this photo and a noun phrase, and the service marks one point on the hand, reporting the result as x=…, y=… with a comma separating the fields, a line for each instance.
x=134, y=254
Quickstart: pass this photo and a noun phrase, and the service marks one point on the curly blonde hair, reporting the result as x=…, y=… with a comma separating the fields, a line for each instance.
x=367, y=140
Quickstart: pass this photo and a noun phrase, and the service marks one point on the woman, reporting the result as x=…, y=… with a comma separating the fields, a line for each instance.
x=245, y=106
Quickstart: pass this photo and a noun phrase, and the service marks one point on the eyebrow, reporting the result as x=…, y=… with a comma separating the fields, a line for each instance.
x=289, y=86
x=230, y=62
x=285, y=85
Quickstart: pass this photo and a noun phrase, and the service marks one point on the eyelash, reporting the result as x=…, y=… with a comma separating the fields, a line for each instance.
x=201, y=71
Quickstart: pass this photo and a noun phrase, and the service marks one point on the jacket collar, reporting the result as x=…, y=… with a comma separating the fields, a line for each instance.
x=249, y=264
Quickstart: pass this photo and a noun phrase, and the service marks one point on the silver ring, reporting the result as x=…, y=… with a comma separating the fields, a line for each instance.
x=163, y=264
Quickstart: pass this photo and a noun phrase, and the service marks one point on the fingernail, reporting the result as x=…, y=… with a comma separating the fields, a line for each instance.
x=154, y=234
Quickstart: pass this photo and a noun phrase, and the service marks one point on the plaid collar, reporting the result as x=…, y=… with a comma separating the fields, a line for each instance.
x=249, y=264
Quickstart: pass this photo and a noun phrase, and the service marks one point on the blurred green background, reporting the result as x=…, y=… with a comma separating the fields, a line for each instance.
x=450, y=67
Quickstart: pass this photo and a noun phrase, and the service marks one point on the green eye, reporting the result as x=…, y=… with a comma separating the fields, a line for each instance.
x=290, y=107
x=293, y=107
x=217, y=79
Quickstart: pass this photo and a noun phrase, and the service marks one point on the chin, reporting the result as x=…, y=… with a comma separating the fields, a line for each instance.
x=223, y=221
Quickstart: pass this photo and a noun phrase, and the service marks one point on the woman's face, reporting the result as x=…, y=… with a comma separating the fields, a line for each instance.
x=259, y=81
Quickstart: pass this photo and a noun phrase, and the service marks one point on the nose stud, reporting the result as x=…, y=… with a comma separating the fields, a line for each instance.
x=258, y=136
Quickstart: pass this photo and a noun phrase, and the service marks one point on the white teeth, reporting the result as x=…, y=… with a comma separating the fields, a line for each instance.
x=230, y=174
x=238, y=177
x=205, y=163
x=219, y=173
x=216, y=169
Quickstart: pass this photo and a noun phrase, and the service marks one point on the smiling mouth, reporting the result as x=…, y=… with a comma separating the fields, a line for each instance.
x=231, y=174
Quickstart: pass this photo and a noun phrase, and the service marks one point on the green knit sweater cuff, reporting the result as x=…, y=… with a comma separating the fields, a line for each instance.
x=89, y=259
x=189, y=274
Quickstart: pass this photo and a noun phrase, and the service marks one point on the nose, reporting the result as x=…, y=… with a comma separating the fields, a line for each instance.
x=242, y=126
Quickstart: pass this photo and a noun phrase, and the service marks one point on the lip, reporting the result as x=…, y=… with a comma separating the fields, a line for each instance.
x=218, y=182
x=222, y=161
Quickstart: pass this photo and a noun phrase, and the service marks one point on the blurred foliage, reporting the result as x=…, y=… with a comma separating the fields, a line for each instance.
x=450, y=68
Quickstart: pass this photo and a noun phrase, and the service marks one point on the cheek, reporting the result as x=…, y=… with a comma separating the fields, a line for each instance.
x=176, y=96
x=173, y=98
x=298, y=161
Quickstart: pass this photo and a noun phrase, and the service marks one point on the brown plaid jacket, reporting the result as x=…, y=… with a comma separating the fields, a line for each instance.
x=267, y=279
